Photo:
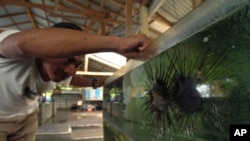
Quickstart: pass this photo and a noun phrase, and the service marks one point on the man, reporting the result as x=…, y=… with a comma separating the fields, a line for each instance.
x=35, y=60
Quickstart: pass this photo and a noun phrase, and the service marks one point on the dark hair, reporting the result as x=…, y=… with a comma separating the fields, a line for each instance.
x=67, y=25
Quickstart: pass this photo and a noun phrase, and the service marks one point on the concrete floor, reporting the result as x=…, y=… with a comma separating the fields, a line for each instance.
x=70, y=126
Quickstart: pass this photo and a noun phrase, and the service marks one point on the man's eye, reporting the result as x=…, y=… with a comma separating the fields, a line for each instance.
x=71, y=60
x=77, y=64
x=74, y=61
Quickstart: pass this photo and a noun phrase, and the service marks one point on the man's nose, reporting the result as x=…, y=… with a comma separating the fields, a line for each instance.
x=70, y=69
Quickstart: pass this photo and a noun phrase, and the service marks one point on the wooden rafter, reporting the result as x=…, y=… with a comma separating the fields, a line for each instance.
x=99, y=16
x=46, y=14
x=11, y=18
x=91, y=24
x=31, y=18
x=197, y=3
x=118, y=3
x=129, y=8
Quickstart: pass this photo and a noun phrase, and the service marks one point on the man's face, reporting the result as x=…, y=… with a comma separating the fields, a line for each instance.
x=59, y=69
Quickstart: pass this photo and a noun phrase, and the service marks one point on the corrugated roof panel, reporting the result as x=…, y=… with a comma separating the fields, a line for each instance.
x=183, y=7
x=41, y=21
x=12, y=9
x=21, y=18
x=37, y=1
x=2, y=11
x=39, y=12
x=5, y=21
x=47, y=2
x=25, y=26
x=82, y=12
x=174, y=10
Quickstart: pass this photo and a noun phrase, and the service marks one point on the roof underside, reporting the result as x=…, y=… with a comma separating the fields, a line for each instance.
x=103, y=17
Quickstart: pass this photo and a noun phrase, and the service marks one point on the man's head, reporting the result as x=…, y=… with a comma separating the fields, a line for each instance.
x=58, y=69
x=67, y=25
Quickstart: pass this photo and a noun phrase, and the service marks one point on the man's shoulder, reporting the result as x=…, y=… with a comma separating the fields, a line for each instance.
x=9, y=30
x=15, y=61
x=5, y=33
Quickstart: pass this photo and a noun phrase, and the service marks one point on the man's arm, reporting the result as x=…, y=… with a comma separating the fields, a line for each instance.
x=59, y=42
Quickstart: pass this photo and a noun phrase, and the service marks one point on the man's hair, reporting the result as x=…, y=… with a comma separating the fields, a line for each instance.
x=67, y=25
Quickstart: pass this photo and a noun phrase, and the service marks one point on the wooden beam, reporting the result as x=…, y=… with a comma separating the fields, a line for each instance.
x=91, y=56
x=86, y=8
x=86, y=63
x=46, y=15
x=129, y=8
x=94, y=73
x=145, y=2
x=161, y=19
x=118, y=3
x=144, y=28
x=104, y=13
x=31, y=18
x=147, y=14
x=196, y=3
x=110, y=11
x=101, y=30
x=91, y=24
x=144, y=19
x=64, y=18
x=44, y=18
x=155, y=7
x=102, y=23
x=102, y=4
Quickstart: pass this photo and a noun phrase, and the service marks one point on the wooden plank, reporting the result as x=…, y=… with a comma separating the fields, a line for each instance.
x=196, y=3
x=155, y=6
x=129, y=8
x=94, y=73
x=31, y=18
x=91, y=56
x=86, y=63
x=90, y=25
x=118, y=3
x=161, y=19
x=144, y=19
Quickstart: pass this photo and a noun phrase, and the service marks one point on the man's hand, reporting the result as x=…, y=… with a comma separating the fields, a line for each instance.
x=133, y=46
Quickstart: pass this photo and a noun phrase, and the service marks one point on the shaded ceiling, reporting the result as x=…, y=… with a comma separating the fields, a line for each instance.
x=103, y=17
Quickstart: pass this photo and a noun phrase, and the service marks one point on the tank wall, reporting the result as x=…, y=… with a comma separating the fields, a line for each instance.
x=213, y=63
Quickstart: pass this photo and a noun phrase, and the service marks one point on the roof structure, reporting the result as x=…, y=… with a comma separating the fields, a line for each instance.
x=102, y=17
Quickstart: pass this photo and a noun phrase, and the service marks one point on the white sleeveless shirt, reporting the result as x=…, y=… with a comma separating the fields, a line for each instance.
x=17, y=75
